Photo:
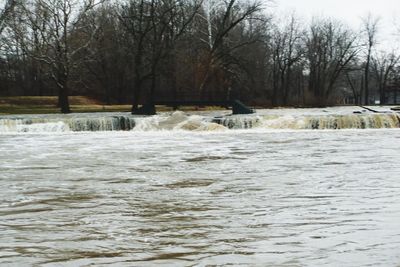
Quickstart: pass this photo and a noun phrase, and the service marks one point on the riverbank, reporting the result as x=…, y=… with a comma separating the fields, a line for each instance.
x=18, y=105
x=48, y=105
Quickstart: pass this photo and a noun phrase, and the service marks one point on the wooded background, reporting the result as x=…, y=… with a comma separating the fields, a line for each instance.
x=140, y=51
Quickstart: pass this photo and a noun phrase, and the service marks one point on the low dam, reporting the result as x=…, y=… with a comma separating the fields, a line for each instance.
x=314, y=119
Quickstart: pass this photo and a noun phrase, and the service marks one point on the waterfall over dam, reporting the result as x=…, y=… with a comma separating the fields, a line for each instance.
x=289, y=119
x=67, y=123
x=329, y=122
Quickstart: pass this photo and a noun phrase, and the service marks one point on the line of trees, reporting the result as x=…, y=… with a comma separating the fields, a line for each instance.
x=143, y=51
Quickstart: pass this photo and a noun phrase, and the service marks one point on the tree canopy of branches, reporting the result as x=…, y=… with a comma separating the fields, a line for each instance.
x=5, y=12
x=330, y=50
x=370, y=25
x=153, y=28
x=141, y=52
x=288, y=53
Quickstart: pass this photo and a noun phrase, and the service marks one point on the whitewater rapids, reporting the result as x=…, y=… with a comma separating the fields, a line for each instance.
x=275, y=119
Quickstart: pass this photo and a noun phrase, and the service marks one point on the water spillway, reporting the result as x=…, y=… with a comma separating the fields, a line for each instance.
x=75, y=123
x=319, y=122
x=285, y=119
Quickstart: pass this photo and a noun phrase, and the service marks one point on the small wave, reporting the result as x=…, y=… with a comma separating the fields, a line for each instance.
x=177, y=121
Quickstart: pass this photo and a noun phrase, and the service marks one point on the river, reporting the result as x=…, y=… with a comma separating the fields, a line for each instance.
x=217, y=197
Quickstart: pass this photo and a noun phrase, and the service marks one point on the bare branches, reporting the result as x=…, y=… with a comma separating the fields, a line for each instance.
x=370, y=25
x=227, y=17
x=383, y=66
x=370, y=29
x=138, y=51
x=6, y=12
x=288, y=50
x=331, y=48
x=51, y=25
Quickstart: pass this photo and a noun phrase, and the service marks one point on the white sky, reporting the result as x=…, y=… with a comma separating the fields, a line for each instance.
x=349, y=11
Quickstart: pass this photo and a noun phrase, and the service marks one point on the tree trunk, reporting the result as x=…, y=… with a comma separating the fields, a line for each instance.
x=275, y=88
x=382, y=96
x=63, y=100
x=136, y=94
x=287, y=86
x=366, y=76
x=173, y=77
x=282, y=88
x=361, y=90
x=151, y=98
x=137, y=90
x=355, y=95
x=203, y=84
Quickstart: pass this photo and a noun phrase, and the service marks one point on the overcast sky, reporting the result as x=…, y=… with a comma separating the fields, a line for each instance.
x=348, y=11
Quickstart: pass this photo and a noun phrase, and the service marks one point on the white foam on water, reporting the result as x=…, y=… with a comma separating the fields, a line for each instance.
x=268, y=120
x=177, y=121
x=52, y=127
x=74, y=123
x=334, y=122
x=284, y=122
x=26, y=126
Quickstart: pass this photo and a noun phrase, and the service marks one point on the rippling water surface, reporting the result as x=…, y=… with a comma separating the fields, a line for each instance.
x=174, y=198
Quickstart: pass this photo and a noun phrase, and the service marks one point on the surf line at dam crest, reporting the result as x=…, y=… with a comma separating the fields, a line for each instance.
x=181, y=121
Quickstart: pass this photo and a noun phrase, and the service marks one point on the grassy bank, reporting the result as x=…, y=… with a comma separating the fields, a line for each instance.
x=79, y=104
x=48, y=105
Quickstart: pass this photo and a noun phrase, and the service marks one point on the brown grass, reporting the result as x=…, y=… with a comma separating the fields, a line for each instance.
x=48, y=105
x=79, y=104
x=46, y=100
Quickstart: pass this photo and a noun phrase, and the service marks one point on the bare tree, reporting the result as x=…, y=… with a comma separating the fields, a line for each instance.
x=355, y=79
x=330, y=50
x=154, y=27
x=107, y=60
x=383, y=66
x=135, y=17
x=141, y=51
x=370, y=28
x=222, y=20
x=287, y=44
x=6, y=11
x=174, y=18
x=56, y=22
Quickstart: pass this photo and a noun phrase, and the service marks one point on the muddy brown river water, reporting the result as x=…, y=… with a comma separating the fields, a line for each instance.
x=181, y=198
